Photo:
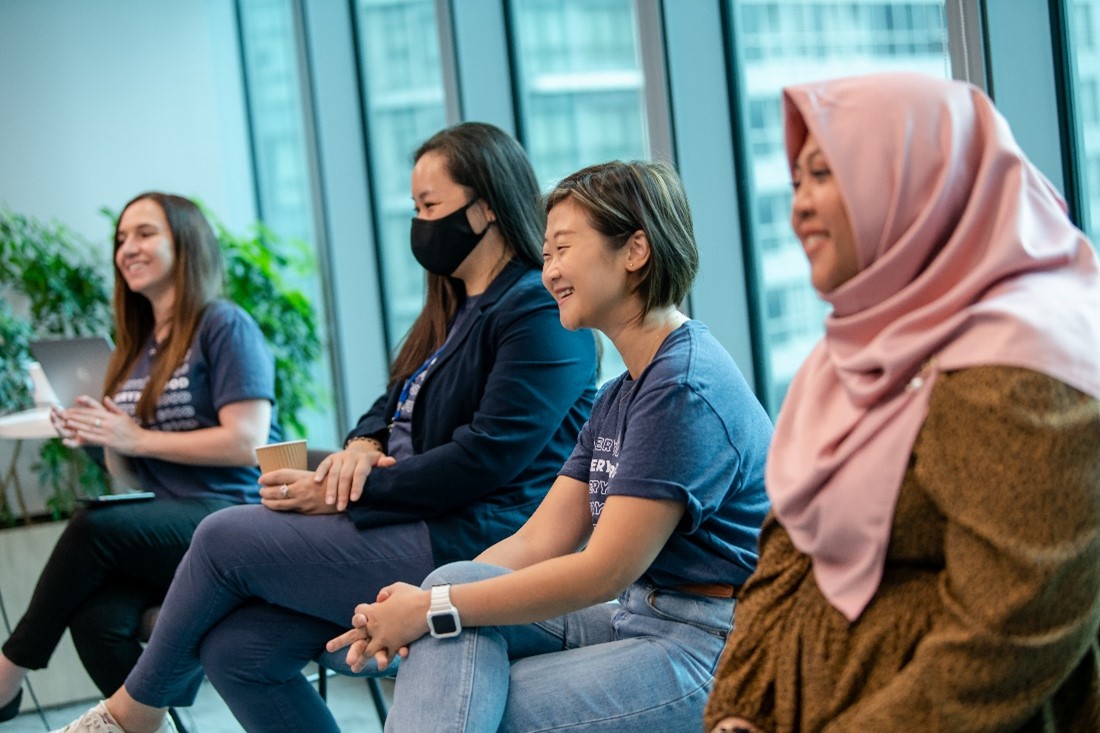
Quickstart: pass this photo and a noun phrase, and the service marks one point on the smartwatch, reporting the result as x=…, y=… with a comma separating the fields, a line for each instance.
x=443, y=619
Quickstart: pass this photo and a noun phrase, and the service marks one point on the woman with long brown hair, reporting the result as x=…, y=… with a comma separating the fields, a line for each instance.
x=188, y=395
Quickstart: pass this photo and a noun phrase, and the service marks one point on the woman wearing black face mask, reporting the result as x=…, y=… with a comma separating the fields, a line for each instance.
x=487, y=395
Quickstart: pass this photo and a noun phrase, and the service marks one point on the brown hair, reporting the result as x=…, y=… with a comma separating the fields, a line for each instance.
x=197, y=277
x=620, y=199
x=492, y=164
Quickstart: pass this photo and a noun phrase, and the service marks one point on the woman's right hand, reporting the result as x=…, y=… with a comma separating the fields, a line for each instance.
x=57, y=419
x=346, y=471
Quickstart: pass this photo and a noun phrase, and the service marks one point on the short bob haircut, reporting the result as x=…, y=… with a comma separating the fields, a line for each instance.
x=620, y=199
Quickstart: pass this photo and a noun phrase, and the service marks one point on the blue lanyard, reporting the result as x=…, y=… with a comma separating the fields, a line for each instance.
x=409, y=383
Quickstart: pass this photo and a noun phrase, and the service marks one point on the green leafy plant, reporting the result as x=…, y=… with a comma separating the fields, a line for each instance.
x=55, y=275
x=15, y=332
x=257, y=267
x=59, y=282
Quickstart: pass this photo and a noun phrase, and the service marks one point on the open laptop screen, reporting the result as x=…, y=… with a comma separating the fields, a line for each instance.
x=74, y=366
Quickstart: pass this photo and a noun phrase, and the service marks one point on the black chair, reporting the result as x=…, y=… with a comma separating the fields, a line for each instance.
x=374, y=685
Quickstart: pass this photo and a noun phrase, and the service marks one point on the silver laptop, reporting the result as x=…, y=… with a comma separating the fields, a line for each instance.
x=74, y=366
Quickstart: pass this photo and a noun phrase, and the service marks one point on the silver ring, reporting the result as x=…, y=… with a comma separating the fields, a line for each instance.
x=98, y=422
x=285, y=490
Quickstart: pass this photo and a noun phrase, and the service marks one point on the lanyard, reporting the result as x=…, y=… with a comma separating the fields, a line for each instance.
x=404, y=396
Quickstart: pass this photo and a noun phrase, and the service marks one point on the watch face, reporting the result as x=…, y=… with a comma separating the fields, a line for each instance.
x=443, y=623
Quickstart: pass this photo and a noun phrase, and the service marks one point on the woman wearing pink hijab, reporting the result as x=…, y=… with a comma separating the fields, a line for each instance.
x=933, y=559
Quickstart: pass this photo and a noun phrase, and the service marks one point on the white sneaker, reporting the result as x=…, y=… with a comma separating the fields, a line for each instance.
x=98, y=720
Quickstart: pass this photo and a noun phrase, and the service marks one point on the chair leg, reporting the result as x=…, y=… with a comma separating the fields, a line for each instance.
x=322, y=681
x=176, y=719
x=381, y=706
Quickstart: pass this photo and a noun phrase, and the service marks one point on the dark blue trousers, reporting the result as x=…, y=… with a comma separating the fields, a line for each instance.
x=256, y=597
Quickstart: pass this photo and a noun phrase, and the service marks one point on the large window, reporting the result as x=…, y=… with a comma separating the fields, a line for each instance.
x=404, y=106
x=284, y=182
x=1084, y=21
x=781, y=42
x=581, y=83
x=582, y=92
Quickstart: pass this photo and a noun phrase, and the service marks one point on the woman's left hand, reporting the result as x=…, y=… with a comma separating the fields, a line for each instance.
x=735, y=725
x=293, y=490
x=98, y=423
x=385, y=629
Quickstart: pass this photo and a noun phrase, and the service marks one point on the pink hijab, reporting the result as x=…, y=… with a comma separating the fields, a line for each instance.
x=966, y=258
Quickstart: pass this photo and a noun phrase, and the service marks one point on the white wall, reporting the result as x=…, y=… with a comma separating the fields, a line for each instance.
x=102, y=100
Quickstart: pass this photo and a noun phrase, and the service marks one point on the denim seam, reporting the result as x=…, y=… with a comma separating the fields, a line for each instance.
x=582, y=725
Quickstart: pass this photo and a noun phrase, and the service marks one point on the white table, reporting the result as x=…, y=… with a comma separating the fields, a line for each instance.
x=27, y=425
x=33, y=424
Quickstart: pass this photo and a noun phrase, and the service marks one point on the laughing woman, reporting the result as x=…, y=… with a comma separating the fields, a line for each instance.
x=659, y=506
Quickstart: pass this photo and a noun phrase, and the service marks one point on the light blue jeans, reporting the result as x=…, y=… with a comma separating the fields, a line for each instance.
x=645, y=664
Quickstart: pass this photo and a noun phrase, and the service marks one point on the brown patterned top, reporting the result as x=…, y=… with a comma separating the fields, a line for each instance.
x=988, y=613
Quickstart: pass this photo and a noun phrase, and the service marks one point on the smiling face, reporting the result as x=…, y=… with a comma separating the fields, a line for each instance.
x=588, y=279
x=820, y=220
x=145, y=251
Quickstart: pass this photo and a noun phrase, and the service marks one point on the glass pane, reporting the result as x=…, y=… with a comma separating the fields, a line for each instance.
x=582, y=92
x=404, y=99
x=282, y=169
x=581, y=83
x=1084, y=20
x=783, y=42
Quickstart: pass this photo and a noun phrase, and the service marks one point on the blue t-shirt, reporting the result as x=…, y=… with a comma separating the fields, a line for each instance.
x=228, y=362
x=689, y=430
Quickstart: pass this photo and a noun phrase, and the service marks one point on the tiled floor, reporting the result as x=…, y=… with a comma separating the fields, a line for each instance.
x=348, y=698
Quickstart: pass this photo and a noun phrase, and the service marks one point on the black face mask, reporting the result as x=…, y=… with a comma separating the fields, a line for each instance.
x=440, y=245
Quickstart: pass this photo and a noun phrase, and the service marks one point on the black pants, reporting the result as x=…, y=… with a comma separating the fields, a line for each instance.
x=109, y=565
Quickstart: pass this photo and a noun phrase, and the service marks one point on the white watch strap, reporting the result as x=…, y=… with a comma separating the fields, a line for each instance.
x=441, y=598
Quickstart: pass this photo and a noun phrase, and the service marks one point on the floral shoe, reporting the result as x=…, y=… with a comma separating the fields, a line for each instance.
x=98, y=720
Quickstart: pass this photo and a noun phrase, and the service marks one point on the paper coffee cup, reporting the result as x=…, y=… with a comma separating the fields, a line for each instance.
x=291, y=454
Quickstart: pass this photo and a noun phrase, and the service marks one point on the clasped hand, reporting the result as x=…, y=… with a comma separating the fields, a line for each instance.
x=338, y=480
x=384, y=629
x=90, y=422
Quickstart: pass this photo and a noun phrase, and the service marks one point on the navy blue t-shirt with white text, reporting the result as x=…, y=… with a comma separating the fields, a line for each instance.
x=689, y=430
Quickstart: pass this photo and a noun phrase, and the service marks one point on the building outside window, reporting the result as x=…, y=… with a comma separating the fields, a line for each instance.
x=783, y=42
x=581, y=92
x=581, y=83
x=283, y=177
x=399, y=55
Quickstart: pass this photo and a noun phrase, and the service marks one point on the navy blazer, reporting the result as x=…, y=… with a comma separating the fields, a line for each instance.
x=496, y=417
